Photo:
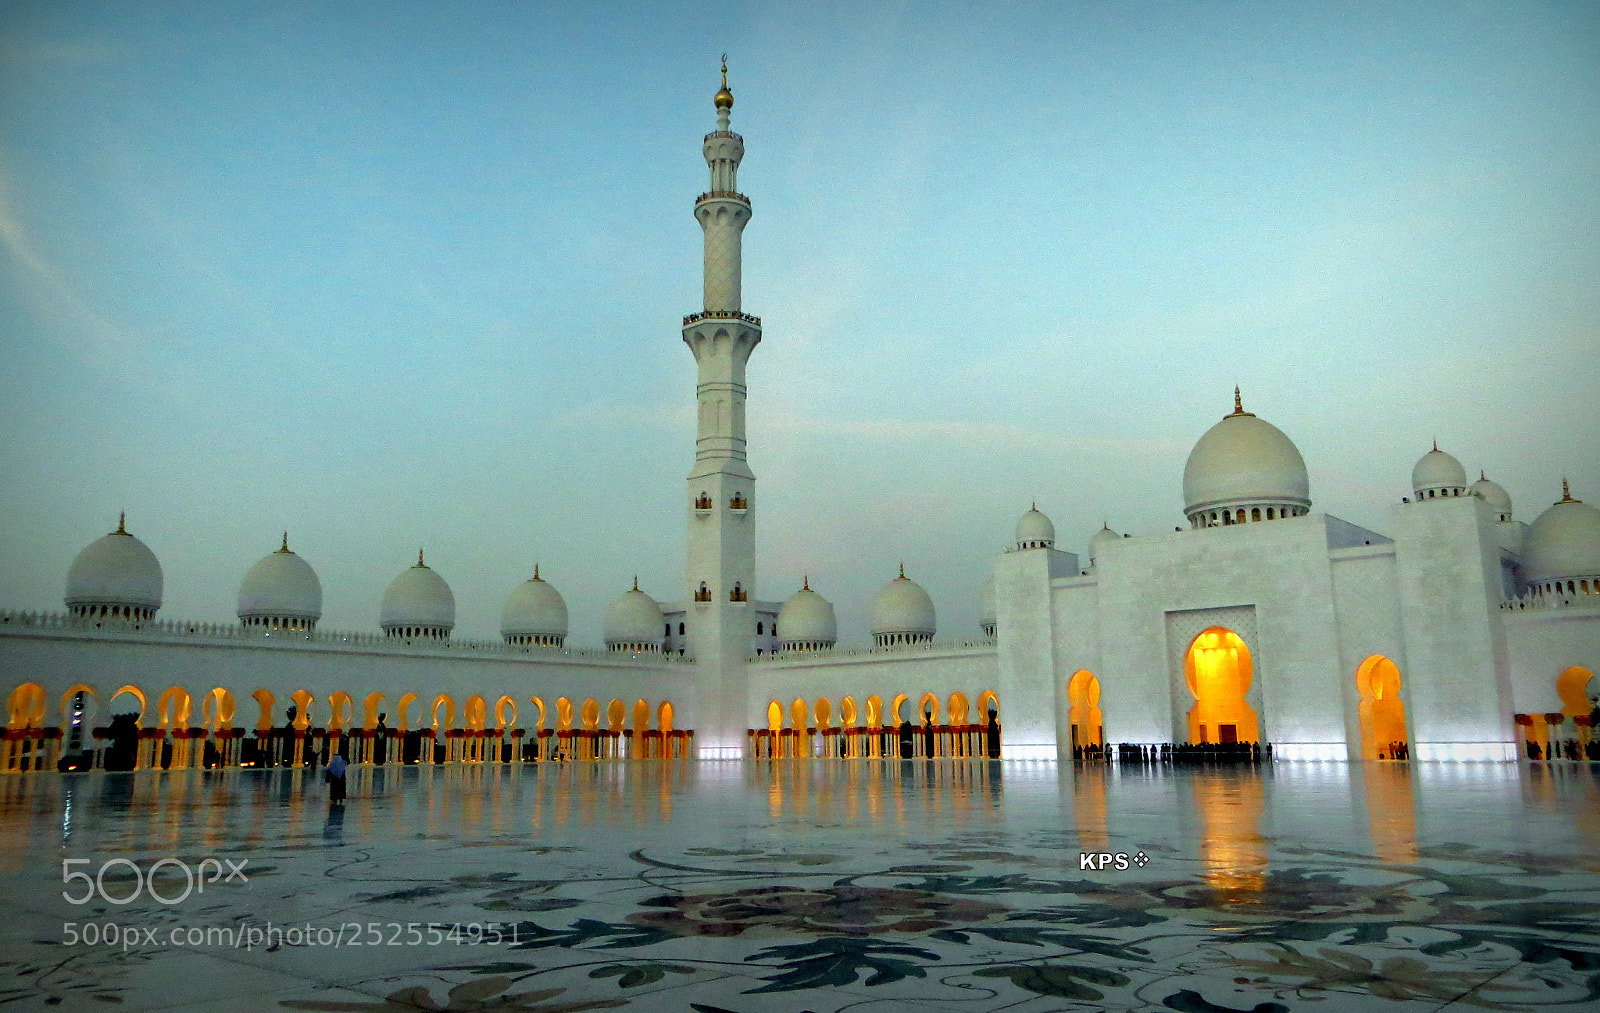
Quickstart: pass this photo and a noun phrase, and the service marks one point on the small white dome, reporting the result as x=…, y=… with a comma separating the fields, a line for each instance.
x=634, y=621
x=988, y=609
x=534, y=609
x=418, y=599
x=281, y=587
x=902, y=609
x=1105, y=536
x=1438, y=474
x=115, y=572
x=807, y=618
x=1244, y=461
x=1563, y=542
x=1493, y=494
x=1034, y=531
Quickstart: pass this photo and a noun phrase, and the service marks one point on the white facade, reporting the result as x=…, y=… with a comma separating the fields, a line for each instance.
x=1483, y=651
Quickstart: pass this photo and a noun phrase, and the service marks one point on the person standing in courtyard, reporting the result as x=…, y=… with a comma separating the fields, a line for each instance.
x=334, y=775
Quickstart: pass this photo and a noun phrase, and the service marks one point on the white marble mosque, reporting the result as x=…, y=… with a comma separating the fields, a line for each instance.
x=1460, y=633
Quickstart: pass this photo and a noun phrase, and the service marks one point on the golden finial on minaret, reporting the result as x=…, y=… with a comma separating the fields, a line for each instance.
x=122, y=523
x=285, y=547
x=724, y=98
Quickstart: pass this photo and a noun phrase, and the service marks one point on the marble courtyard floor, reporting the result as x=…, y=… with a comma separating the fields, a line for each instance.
x=807, y=885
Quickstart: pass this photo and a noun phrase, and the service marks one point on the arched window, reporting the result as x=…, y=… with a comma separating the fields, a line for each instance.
x=668, y=631
x=1255, y=513
x=1269, y=513
x=761, y=628
x=680, y=629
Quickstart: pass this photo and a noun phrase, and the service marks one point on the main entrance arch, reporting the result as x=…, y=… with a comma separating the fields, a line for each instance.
x=1218, y=670
x=1382, y=712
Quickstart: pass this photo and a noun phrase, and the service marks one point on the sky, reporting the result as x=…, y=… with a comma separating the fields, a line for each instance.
x=399, y=275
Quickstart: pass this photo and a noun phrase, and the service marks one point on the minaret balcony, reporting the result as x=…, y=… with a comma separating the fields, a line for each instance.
x=703, y=504
x=725, y=133
x=722, y=195
x=738, y=595
x=694, y=318
x=738, y=504
x=702, y=595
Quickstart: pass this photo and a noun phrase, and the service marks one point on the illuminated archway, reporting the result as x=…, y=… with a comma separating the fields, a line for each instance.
x=137, y=694
x=403, y=706
x=799, y=715
x=874, y=711
x=500, y=707
x=1083, y=698
x=1218, y=670
x=929, y=702
x=444, y=700
x=563, y=714
x=474, y=713
x=591, y=714
x=847, y=712
x=217, y=707
x=172, y=708
x=1382, y=712
x=266, y=701
x=894, y=708
x=340, y=710
x=959, y=708
x=369, y=706
x=774, y=716
x=616, y=713
x=25, y=706
x=1573, y=686
x=302, y=700
x=641, y=716
x=664, y=717
x=987, y=701
x=823, y=709
x=83, y=720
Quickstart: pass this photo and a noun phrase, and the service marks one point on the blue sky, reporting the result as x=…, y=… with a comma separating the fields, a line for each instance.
x=391, y=274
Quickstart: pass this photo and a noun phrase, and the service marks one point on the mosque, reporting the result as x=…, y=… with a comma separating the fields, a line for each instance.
x=1462, y=634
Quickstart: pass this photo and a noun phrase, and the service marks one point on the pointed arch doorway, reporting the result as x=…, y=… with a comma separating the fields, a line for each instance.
x=1382, y=713
x=1219, y=670
x=1083, y=699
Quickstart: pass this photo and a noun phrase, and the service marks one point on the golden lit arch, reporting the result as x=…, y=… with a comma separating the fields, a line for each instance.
x=267, y=703
x=987, y=701
x=616, y=713
x=474, y=713
x=958, y=708
x=874, y=711
x=444, y=700
x=823, y=709
x=847, y=712
x=664, y=717
x=88, y=711
x=591, y=714
x=1573, y=688
x=340, y=710
x=774, y=716
x=403, y=705
x=1218, y=670
x=137, y=694
x=641, y=716
x=563, y=714
x=369, y=706
x=923, y=706
x=894, y=708
x=799, y=715
x=303, y=701
x=172, y=708
x=538, y=701
x=1083, y=697
x=1382, y=712
x=25, y=706
x=500, y=706
x=217, y=707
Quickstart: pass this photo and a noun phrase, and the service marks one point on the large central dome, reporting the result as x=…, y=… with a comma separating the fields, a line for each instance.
x=1244, y=469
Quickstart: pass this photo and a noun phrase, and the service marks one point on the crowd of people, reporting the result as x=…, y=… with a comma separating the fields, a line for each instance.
x=1179, y=754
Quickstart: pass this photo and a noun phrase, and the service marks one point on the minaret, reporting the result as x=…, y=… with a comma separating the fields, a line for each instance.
x=721, y=489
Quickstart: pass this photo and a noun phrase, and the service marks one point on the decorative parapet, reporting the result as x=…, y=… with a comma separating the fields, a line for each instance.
x=722, y=195
x=11, y=620
x=1542, y=602
x=976, y=645
x=725, y=133
x=721, y=315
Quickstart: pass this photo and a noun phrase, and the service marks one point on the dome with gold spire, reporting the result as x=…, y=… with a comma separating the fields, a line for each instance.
x=115, y=576
x=418, y=603
x=281, y=592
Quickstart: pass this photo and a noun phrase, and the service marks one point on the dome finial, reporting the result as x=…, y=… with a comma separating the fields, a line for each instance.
x=724, y=97
x=1435, y=444
x=419, y=558
x=535, y=571
x=636, y=582
x=805, y=583
x=1481, y=476
x=285, y=547
x=902, y=570
x=122, y=523
x=1238, y=401
x=1566, y=493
